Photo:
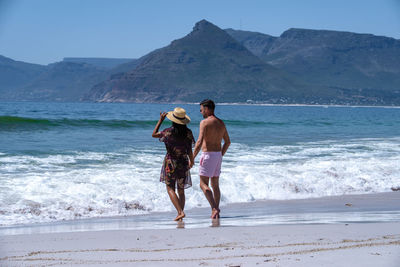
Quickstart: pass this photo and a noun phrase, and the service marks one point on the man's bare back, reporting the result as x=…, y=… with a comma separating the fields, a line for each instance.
x=214, y=131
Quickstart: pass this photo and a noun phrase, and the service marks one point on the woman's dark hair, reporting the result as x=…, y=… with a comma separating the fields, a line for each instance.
x=179, y=130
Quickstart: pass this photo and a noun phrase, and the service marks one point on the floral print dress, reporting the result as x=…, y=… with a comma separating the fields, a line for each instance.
x=175, y=168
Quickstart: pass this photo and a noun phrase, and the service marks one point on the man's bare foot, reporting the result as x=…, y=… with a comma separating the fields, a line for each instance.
x=180, y=216
x=219, y=211
x=215, y=214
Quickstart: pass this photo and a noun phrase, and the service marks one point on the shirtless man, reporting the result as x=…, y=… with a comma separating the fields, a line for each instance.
x=212, y=131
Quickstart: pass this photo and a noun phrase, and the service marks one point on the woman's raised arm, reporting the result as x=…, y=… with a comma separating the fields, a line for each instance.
x=156, y=133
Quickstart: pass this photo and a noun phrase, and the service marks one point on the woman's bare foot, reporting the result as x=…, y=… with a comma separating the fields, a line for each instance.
x=180, y=216
x=215, y=214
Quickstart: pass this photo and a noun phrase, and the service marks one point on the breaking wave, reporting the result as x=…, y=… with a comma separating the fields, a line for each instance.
x=42, y=188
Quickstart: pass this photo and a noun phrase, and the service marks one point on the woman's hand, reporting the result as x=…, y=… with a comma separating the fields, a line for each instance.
x=191, y=163
x=163, y=115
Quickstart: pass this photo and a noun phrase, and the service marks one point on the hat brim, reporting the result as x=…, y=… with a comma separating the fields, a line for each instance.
x=171, y=117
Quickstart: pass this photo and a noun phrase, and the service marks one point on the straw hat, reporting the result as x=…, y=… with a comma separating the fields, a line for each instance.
x=178, y=116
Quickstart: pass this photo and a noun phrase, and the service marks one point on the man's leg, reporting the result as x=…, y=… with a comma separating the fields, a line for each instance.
x=215, y=189
x=209, y=195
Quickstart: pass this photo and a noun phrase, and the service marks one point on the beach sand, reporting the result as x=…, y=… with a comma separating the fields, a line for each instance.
x=301, y=240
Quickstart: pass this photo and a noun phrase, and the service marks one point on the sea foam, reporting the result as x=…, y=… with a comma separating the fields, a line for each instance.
x=80, y=184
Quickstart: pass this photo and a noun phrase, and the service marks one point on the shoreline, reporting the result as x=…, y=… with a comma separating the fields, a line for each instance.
x=360, y=208
x=350, y=230
x=225, y=104
x=302, y=105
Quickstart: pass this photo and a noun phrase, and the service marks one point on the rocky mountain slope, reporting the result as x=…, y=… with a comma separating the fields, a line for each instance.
x=207, y=63
x=300, y=66
x=363, y=67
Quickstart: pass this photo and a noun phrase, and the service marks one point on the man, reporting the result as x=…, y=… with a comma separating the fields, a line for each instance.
x=212, y=131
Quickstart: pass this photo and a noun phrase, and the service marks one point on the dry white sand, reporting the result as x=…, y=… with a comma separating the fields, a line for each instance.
x=243, y=237
x=372, y=244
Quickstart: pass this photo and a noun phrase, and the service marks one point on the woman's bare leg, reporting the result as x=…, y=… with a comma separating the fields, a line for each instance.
x=181, y=193
x=175, y=202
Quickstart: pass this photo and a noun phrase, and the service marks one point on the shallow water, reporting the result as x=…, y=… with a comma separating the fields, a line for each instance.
x=61, y=161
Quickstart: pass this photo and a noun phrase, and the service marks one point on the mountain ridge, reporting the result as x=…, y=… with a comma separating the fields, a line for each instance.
x=191, y=68
x=356, y=64
x=303, y=66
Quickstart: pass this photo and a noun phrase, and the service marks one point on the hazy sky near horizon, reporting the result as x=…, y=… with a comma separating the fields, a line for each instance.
x=46, y=31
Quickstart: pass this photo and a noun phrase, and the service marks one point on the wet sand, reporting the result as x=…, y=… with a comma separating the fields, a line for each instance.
x=359, y=230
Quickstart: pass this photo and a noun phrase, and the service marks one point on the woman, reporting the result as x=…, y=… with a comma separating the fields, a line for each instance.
x=178, y=141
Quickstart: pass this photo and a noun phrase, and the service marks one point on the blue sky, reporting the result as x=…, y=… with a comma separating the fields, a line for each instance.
x=46, y=31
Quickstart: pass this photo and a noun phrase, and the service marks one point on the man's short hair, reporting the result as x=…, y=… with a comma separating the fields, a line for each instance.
x=208, y=103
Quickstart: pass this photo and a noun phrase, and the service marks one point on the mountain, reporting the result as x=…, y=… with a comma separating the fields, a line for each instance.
x=207, y=63
x=299, y=66
x=255, y=42
x=62, y=81
x=15, y=74
x=126, y=66
x=68, y=80
x=364, y=68
x=106, y=63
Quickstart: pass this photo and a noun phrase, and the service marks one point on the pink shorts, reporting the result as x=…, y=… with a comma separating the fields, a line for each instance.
x=210, y=164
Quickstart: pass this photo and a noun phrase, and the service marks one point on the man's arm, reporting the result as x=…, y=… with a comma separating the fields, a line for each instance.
x=227, y=142
x=199, y=142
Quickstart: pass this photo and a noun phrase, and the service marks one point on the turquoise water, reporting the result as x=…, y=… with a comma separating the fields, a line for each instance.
x=81, y=160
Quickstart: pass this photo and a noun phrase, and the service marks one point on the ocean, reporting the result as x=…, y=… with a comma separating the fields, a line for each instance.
x=65, y=161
